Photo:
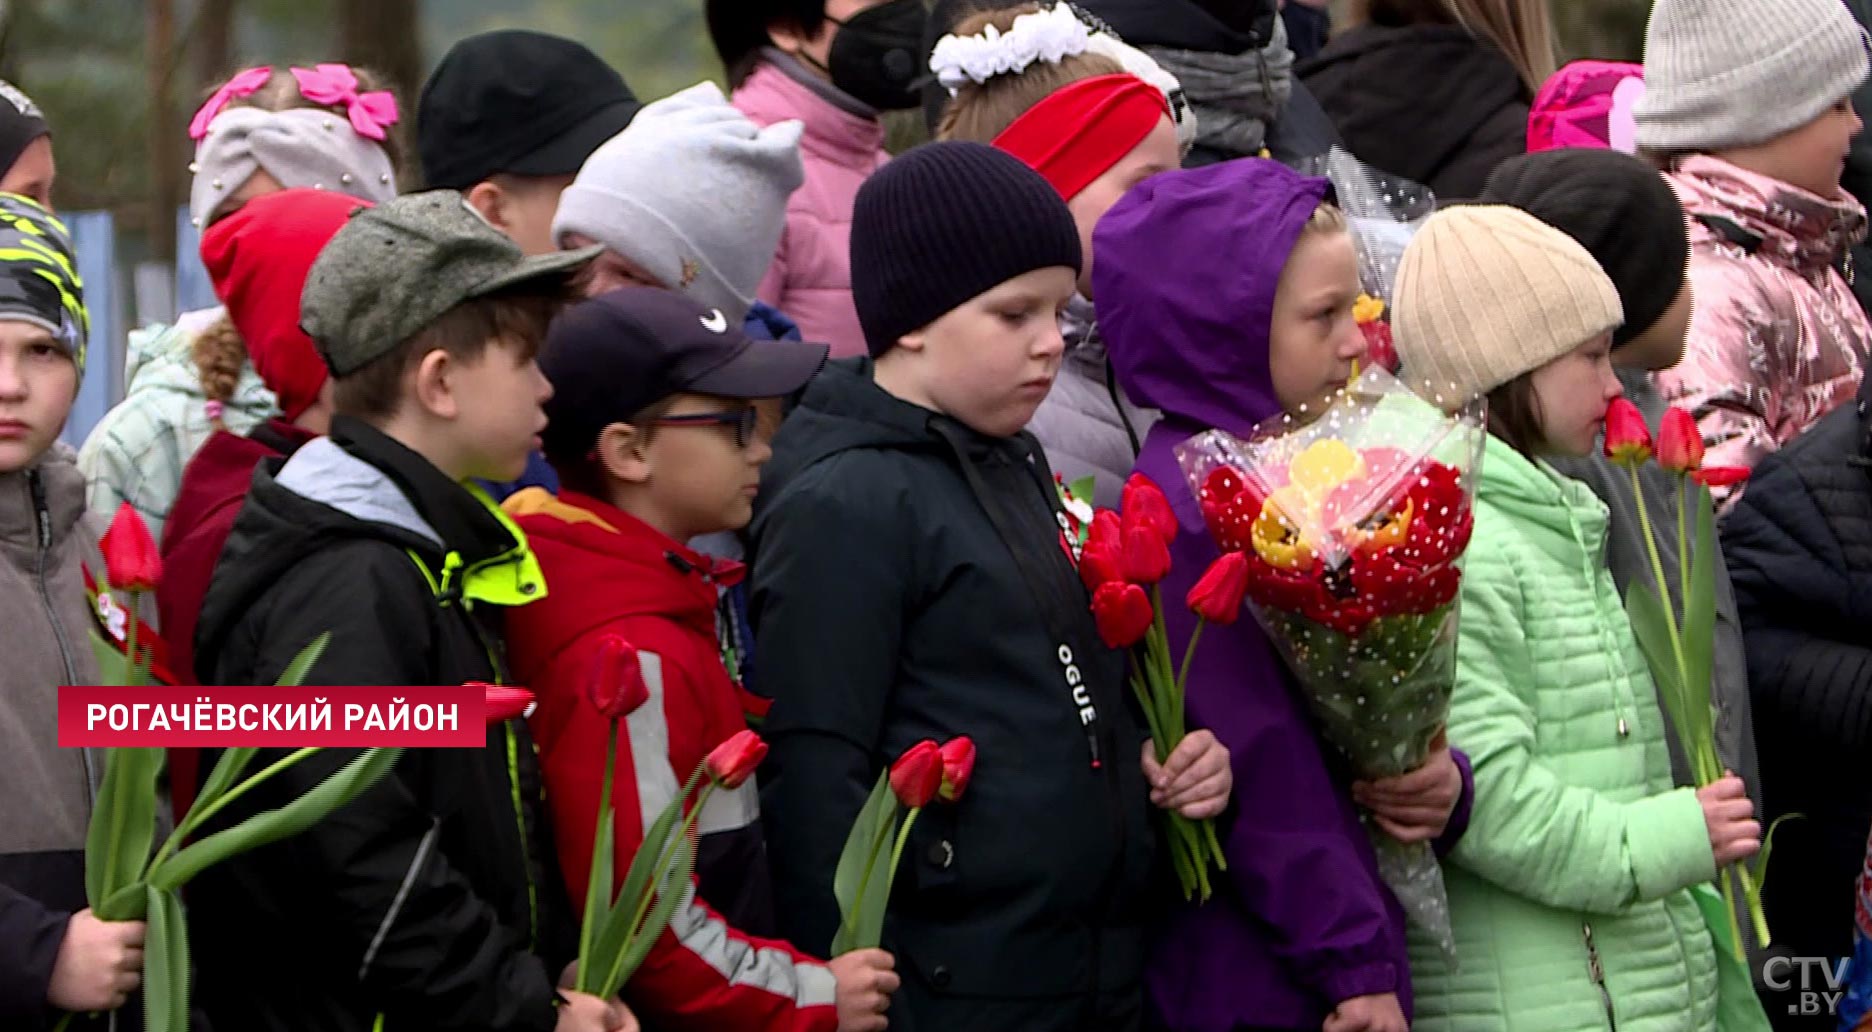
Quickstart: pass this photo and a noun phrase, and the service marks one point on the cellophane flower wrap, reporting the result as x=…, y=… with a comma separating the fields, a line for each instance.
x=1383, y=212
x=1354, y=527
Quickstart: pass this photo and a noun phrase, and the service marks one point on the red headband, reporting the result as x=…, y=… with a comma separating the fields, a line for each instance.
x=1084, y=128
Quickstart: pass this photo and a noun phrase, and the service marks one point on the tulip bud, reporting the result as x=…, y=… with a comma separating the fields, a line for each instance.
x=1720, y=476
x=1123, y=614
x=1106, y=531
x=131, y=559
x=504, y=703
x=1680, y=443
x=1627, y=438
x=1143, y=503
x=616, y=684
x=731, y=763
x=958, y=765
x=1217, y=597
x=1100, y=566
x=1146, y=556
x=917, y=775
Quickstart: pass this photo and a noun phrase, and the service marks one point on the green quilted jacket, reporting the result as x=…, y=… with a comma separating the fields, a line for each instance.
x=1570, y=894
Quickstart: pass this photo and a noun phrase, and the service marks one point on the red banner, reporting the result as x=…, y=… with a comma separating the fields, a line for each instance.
x=220, y=717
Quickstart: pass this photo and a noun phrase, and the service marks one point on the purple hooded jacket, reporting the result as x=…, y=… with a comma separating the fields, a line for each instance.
x=1187, y=266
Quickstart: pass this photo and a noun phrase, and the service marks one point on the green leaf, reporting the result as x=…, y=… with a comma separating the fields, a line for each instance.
x=165, y=964
x=111, y=662
x=302, y=663
x=1760, y=868
x=1082, y=488
x=1700, y=617
x=123, y=823
x=868, y=929
x=860, y=859
x=670, y=895
x=272, y=825
x=598, y=889
x=226, y=774
x=1650, y=625
x=613, y=936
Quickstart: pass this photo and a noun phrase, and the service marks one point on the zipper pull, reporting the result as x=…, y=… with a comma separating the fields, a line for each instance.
x=41, y=511
x=1092, y=744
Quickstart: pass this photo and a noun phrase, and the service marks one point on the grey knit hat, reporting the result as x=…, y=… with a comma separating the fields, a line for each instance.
x=1735, y=73
x=693, y=193
x=395, y=268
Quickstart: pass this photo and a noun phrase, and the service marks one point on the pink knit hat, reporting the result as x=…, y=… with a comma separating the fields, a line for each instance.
x=1587, y=104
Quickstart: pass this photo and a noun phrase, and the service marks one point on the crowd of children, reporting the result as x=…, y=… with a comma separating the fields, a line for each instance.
x=716, y=376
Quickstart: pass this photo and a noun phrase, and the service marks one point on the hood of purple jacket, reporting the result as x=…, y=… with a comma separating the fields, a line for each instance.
x=1187, y=265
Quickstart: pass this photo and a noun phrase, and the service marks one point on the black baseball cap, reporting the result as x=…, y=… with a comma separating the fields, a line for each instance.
x=519, y=102
x=612, y=356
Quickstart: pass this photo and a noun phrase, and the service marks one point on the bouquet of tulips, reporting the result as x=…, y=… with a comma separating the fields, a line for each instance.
x=124, y=881
x=862, y=882
x=619, y=929
x=1352, y=528
x=1675, y=624
x=1126, y=555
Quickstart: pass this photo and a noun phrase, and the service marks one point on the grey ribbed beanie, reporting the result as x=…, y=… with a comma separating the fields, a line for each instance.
x=1487, y=292
x=1735, y=73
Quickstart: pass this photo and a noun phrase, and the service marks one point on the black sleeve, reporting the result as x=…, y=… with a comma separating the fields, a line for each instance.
x=828, y=601
x=1794, y=597
x=30, y=937
x=415, y=930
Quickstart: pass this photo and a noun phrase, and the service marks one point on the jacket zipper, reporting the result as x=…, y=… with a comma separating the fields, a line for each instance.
x=1596, y=969
x=43, y=516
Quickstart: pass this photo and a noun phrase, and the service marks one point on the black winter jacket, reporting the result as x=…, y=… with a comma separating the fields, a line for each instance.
x=910, y=582
x=1431, y=103
x=1799, y=544
x=433, y=899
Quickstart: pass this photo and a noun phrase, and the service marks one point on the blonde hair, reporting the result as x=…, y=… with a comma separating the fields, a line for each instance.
x=1522, y=30
x=980, y=111
x=219, y=354
x=281, y=93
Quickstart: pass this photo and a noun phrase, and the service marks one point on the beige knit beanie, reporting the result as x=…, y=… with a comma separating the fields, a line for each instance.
x=1486, y=293
x=1735, y=73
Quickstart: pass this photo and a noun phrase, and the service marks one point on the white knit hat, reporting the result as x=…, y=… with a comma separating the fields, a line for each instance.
x=693, y=193
x=1486, y=293
x=1735, y=73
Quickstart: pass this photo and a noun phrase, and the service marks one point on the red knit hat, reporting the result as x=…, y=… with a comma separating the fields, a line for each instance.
x=258, y=258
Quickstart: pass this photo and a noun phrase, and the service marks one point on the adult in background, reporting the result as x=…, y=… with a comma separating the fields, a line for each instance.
x=25, y=148
x=1436, y=91
x=836, y=66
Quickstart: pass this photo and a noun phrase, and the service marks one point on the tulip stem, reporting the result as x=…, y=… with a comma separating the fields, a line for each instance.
x=1189, y=655
x=195, y=820
x=903, y=839
x=130, y=644
x=1683, y=542
x=1670, y=611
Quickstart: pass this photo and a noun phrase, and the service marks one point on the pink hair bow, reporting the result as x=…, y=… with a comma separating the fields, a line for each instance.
x=242, y=85
x=337, y=84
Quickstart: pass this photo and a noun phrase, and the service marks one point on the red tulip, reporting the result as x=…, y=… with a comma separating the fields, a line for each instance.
x=731, y=763
x=503, y=703
x=617, y=685
x=1107, y=531
x=1627, y=438
x=1217, y=597
x=1123, y=613
x=1720, y=476
x=1143, y=502
x=1680, y=443
x=958, y=765
x=917, y=775
x=1146, y=555
x=1100, y=566
x=131, y=559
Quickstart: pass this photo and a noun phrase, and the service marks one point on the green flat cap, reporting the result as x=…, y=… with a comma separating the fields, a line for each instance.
x=395, y=268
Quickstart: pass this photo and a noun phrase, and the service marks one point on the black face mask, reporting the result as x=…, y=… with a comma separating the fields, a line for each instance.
x=878, y=55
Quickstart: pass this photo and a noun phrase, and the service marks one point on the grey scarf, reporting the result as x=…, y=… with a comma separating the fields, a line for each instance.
x=1235, y=96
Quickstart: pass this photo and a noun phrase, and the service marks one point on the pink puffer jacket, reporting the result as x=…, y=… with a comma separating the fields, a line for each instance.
x=1776, y=339
x=810, y=278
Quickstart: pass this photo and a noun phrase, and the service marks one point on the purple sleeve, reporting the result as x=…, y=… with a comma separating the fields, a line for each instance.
x=1297, y=857
x=1465, y=805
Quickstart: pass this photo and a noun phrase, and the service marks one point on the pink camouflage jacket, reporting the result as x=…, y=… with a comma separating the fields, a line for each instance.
x=1776, y=339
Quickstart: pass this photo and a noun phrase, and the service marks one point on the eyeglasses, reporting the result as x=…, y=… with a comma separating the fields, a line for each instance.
x=743, y=420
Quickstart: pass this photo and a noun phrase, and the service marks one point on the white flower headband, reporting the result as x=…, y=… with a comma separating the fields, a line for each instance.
x=1049, y=35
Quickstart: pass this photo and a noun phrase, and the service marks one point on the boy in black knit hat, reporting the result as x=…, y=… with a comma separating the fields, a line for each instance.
x=911, y=582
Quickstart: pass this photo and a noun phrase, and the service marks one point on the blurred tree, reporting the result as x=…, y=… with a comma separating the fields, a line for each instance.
x=383, y=35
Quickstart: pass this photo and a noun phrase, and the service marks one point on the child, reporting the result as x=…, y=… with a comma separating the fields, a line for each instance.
x=54, y=955
x=910, y=583
x=1803, y=584
x=1625, y=215
x=655, y=430
x=26, y=166
x=508, y=117
x=258, y=133
x=1570, y=894
x=1587, y=104
x=1226, y=294
x=834, y=66
x=1094, y=132
x=1748, y=108
x=434, y=899
x=1855, y=1011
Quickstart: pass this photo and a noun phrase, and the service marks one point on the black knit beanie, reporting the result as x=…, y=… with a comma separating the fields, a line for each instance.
x=943, y=223
x=1617, y=207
